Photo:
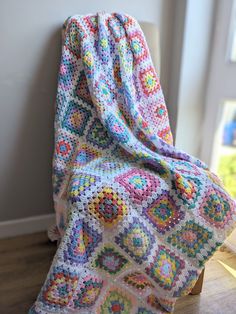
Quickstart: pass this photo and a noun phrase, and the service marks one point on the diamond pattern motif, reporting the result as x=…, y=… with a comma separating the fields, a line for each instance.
x=165, y=268
x=60, y=287
x=216, y=208
x=149, y=81
x=136, y=240
x=191, y=238
x=108, y=207
x=76, y=118
x=138, y=46
x=85, y=154
x=163, y=213
x=110, y=260
x=139, y=183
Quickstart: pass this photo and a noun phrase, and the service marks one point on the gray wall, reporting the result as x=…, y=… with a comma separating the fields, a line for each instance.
x=30, y=53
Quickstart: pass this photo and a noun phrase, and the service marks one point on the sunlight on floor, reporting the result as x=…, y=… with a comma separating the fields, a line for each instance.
x=231, y=270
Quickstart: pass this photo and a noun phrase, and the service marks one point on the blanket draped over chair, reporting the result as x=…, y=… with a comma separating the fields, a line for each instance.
x=138, y=218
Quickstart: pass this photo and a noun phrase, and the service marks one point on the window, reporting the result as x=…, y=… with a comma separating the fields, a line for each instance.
x=224, y=150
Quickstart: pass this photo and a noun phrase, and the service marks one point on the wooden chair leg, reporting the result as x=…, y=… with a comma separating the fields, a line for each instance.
x=197, y=289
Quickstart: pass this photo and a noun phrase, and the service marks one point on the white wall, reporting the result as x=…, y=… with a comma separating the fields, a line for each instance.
x=30, y=52
x=193, y=74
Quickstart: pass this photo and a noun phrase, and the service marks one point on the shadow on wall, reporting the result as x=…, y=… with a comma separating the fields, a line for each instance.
x=27, y=189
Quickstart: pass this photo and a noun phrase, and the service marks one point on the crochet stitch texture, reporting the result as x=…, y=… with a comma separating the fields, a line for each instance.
x=138, y=217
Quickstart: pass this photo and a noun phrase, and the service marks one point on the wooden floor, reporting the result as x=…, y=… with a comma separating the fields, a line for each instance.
x=25, y=260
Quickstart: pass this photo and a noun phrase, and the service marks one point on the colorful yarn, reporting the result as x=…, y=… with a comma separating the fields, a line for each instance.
x=139, y=184
x=75, y=118
x=165, y=267
x=85, y=154
x=115, y=302
x=149, y=81
x=59, y=288
x=188, y=284
x=138, y=218
x=163, y=213
x=192, y=238
x=188, y=189
x=215, y=209
x=136, y=240
x=88, y=292
x=108, y=207
x=137, y=280
x=98, y=136
x=160, y=303
x=81, y=243
x=110, y=260
x=142, y=310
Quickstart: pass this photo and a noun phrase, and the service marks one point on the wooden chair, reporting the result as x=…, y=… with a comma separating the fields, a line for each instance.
x=197, y=289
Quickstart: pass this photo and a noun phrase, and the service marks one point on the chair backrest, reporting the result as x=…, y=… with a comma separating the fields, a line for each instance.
x=151, y=33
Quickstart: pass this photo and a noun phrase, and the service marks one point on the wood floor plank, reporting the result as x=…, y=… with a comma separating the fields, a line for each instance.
x=25, y=261
x=219, y=289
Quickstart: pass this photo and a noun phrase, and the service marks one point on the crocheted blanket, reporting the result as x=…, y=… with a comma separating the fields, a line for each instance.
x=138, y=217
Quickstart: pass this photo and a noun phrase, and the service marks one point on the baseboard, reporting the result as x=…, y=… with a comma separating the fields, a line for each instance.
x=16, y=227
x=231, y=246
